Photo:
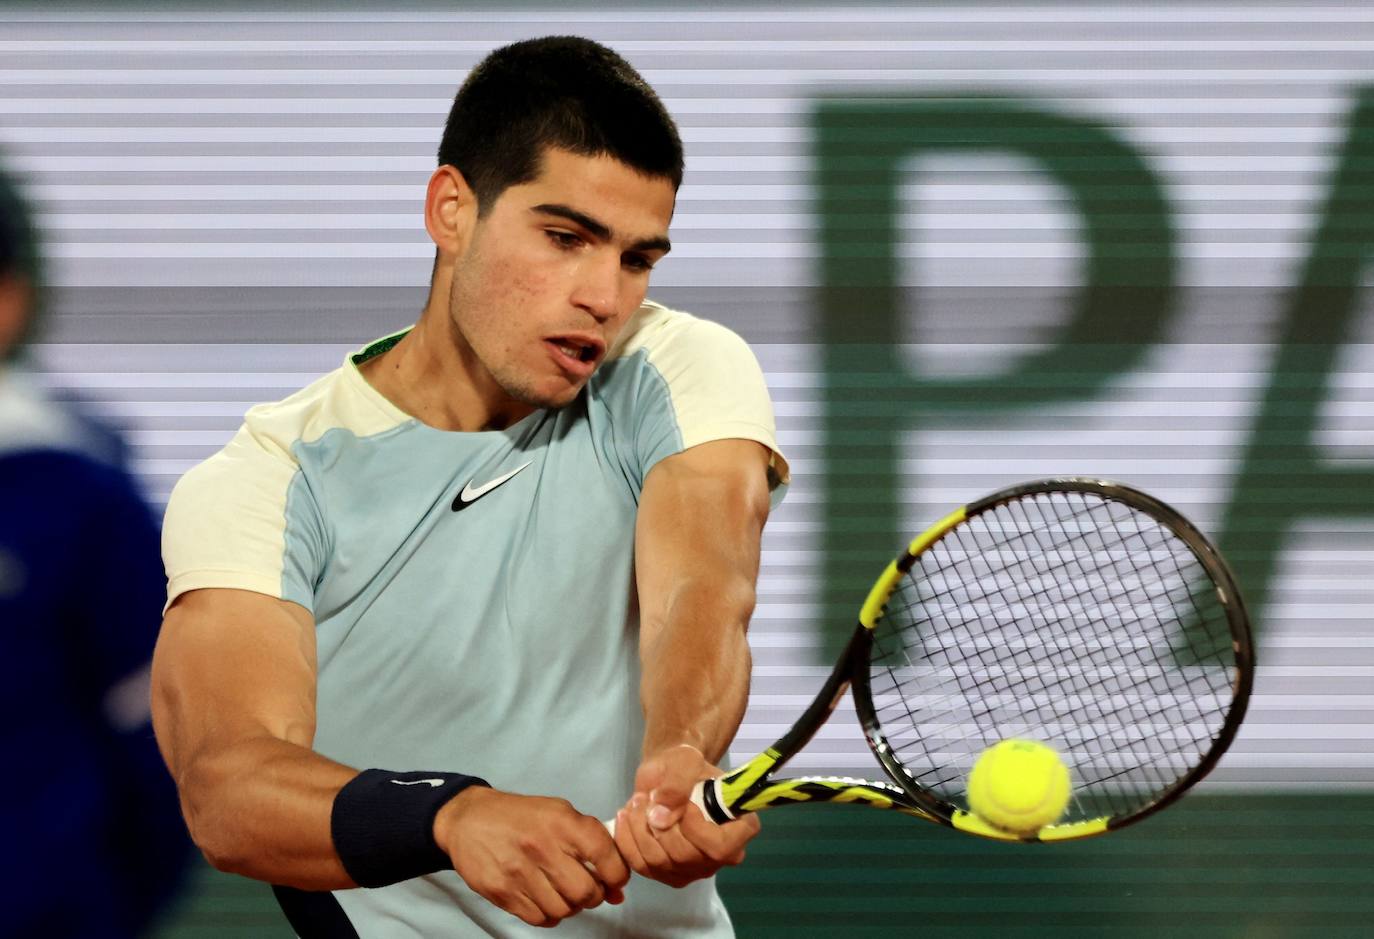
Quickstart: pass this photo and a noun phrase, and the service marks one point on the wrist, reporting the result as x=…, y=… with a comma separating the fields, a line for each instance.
x=659, y=749
x=383, y=824
x=447, y=818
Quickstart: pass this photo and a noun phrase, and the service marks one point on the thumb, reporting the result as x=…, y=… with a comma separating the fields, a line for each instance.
x=649, y=776
x=669, y=798
x=666, y=807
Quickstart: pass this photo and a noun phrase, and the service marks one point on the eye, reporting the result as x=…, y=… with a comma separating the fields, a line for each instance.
x=563, y=239
x=638, y=263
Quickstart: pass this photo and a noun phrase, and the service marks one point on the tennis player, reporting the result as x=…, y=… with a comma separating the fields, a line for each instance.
x=436, y=615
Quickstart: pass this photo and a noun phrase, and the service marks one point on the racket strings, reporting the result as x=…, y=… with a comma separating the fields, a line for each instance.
x=983, y=710
x=1139, y=713
x=1117, y=760
x=1062, y=617
x=1135, y=707
x=1205, y=725
x=1063, y=678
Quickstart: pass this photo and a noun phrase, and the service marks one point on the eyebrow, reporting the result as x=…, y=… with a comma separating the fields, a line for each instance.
x=599, y=229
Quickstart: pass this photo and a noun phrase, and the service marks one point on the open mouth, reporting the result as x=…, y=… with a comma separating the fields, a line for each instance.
x=581, y=352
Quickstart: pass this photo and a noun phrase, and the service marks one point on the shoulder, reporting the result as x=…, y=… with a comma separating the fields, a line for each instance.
x=338, y=401
x=265, y=444
x=659, y=333
x=688, y=381
x=269, y=439
x=233, y=520
x=680, y=353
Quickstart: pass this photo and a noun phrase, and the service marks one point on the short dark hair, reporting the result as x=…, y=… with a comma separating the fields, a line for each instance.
x=19, y=255
x=558, y=91
x=18, y=245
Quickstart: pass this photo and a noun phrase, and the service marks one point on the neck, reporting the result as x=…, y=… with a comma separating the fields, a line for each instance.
x=433, y=375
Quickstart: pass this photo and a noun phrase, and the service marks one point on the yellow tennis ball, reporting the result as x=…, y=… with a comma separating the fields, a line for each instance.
x=1019, y=786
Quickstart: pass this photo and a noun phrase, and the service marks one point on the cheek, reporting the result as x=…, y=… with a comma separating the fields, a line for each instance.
x=496, y=298
x=518, y=281
x=525, y=271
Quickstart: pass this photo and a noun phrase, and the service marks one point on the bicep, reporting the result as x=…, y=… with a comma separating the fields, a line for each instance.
x=231, y=665
x=700, y=522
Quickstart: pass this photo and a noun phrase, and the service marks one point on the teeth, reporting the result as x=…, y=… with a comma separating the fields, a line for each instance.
x=576, y=351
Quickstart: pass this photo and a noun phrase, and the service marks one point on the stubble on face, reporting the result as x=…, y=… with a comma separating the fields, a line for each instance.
x=511, y=289
x=485, y=301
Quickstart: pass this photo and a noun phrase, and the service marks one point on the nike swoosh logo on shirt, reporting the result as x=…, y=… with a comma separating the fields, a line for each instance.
x=433, y=783
x=471, y=493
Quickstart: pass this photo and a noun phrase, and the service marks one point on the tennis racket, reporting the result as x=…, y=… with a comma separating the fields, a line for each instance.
x=1081, y=613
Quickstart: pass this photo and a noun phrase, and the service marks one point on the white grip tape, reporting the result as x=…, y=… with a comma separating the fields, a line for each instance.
x=697, y=799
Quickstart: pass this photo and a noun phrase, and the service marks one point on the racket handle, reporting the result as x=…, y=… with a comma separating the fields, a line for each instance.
x=698, y=798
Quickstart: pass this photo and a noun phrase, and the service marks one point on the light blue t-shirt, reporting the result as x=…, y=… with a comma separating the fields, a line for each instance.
x=474, y=592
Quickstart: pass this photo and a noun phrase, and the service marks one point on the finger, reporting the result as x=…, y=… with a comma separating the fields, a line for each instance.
x=741, y=831
x=625, y=843
x=575, y=883
x=547, y=897
x=519, y=905
x=683, y=769
x=664, y=813
x=654, y=856
x=670, y=801
x=681, y=852
x=596, y=847
x=649, y=775
x=614, y=895
x=724, y=843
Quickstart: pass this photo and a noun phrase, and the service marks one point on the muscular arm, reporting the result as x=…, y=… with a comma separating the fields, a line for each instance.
x=697, y=541
x=234, y=711
x=233, y=699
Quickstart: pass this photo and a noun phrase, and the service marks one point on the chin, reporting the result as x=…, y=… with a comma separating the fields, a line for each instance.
x=557, y=402
x=549, y=400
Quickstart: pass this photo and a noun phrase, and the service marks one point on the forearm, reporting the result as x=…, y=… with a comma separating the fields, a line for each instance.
x=697, y=548
x=695, y=686
x=695, y=683
x=261, y=808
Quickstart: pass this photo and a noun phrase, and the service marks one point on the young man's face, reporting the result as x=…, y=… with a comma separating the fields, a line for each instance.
x=553, y=272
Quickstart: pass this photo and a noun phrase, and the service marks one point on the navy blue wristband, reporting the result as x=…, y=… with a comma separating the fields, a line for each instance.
x=383, y=824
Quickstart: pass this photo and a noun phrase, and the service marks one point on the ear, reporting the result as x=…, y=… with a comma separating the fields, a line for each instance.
x=450, y=211
x=14, y=310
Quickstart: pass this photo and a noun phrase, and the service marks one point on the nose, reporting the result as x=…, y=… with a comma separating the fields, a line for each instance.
x=597, y=289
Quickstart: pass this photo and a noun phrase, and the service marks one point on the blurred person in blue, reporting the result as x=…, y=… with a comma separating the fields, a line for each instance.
x=95, y=842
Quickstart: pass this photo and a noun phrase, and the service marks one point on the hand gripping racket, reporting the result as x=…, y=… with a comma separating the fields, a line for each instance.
x=1077, y=612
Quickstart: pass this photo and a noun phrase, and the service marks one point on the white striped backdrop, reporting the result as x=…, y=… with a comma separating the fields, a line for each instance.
x=231, y=201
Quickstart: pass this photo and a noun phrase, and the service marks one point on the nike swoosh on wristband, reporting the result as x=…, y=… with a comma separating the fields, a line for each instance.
x=471, y=494
x=433, y=783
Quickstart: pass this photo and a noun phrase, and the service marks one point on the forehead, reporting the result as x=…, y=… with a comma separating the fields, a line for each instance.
x=632, y=203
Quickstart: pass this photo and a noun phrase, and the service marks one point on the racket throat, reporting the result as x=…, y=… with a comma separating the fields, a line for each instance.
x=853, y=662
x=712, y=805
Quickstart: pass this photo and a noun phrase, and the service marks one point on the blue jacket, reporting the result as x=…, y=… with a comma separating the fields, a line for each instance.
x=94, y=837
